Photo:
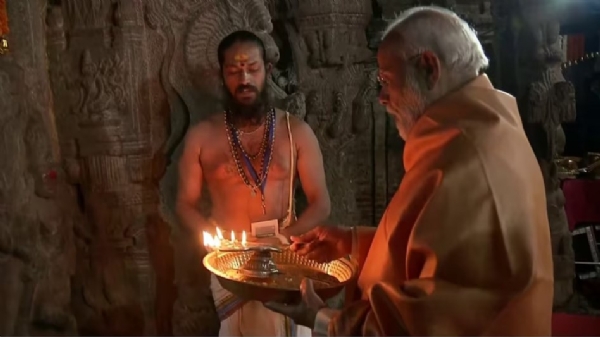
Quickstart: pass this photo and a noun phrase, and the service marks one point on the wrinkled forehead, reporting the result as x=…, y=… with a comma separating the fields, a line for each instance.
x=389, y=56
x=242, y=53
x=387, y=61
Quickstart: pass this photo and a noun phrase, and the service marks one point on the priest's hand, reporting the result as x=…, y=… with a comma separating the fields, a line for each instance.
x=324, y=243
x=304, y=313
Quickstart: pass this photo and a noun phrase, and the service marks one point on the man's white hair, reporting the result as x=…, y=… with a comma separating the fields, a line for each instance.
x=444, y=33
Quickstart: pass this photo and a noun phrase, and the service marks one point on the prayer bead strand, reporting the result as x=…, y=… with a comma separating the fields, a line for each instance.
x=262, y=176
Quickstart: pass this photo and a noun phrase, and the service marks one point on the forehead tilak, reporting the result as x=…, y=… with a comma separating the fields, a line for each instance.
x=241, y=57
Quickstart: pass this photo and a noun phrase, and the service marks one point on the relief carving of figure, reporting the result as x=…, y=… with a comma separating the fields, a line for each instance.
x=330, y=51
x=338, y=116
x=55, y=28
x=548, y=101
x=102, y=95
x=362, y=105
x=333, y=33
x=315, y=110
x=295, y=104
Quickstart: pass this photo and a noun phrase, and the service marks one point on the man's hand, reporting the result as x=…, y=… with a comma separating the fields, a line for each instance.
x=323, y=244
x=304, y=313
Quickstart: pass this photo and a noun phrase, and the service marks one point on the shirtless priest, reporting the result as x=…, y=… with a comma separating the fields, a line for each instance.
x=463, y=248
x=248, y=156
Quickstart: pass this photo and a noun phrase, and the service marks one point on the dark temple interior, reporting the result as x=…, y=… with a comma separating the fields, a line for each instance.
x=96, y=97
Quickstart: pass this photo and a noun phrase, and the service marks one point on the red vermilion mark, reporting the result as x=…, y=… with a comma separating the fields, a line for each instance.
x=52, y=175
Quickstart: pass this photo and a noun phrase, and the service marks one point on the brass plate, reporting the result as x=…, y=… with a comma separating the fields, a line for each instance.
x=220, y=263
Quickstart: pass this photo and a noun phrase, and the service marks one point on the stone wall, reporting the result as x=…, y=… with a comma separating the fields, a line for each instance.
x=38, y=208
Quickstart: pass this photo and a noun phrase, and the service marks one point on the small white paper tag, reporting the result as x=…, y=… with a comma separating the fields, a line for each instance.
x=284, y=241
x=265, y=229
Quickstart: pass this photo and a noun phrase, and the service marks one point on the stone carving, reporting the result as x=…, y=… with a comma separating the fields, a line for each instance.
x=87, y=19
x=54, y=244
x=336, y=83
x=295, y=104
x=285, y=79
x=111, y=133
x=348, y=129
x=205, y=34
x=546, y=100
x=334, y=32
x=41, y=165
x=37, y=209
x=380, y=173
x=129, y=14
x=363, y=102
x=550, y=102
x=87, y=14
x=283, y=86
x=14, y=258
x=102, y=91
x=317, y=110
x=56, y=28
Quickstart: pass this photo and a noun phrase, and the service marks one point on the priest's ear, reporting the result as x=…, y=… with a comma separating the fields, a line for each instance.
x=429, y=64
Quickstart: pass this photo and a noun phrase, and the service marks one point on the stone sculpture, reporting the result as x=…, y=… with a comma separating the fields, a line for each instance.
x=545, y=100
x=38, y=209
x=111, y=134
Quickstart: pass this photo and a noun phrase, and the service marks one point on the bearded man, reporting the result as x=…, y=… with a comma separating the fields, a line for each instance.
x=464, y=246
x=247, y=157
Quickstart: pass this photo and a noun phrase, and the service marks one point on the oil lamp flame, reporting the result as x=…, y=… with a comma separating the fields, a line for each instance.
x=210, y=241
x=214, y=242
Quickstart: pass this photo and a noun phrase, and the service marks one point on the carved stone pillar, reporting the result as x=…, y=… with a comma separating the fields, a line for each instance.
x=37, y=207
x=532, y=72
x=112, y=128
x=334, y=69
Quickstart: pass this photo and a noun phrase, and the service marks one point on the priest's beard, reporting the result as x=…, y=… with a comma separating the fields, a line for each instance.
x=248, y=114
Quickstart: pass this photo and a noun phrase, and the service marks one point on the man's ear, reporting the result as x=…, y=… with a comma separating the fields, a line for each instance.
x=268, y=68
x=429, y=63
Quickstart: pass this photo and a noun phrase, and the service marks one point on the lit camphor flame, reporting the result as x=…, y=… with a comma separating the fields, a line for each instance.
x=214, y=242
x=210, y=241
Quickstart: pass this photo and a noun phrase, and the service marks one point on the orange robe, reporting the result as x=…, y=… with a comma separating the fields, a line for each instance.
x=464, y=246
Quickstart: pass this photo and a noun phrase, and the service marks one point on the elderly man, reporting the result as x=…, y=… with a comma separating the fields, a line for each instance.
x=464, y=246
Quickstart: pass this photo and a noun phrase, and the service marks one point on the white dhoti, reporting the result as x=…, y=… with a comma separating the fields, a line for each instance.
x=250, y=318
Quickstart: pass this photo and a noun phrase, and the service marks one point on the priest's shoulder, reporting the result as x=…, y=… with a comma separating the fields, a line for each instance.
x=204, y=130
x=298, y=126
